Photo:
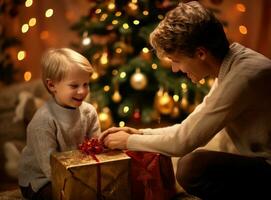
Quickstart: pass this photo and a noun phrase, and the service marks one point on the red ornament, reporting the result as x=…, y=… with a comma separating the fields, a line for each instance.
x=91, y=146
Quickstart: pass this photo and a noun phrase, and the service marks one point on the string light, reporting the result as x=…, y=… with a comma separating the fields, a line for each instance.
x=103, y=17
x=243, y=29
x=106, y=88
x=176, y=97
x=49, y=12
x=25, y=28
x=28, y=3
x=32, y=21
x=122, y=74
x=115, y=22
x=125, y=26
x=98, y=11
x=111, y=6
x=94, y=76
x=21, y=55
x=241, y=7
x=117, y=14
x=104, y=58
x=27, y=76
x=145, y=50
x=154, y=66
x=145, y=12
x=121, y=124
x=136, y=22
x=202, y=81
x=126, y=109
x=160, y=17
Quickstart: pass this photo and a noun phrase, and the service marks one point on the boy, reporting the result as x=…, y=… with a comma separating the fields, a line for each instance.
x=61, y=124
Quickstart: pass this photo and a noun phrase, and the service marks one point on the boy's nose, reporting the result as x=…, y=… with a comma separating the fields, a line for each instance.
x=174, y=68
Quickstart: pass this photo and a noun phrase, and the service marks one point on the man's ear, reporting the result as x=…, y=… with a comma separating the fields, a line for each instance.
x=201, y=53
x=50, y=85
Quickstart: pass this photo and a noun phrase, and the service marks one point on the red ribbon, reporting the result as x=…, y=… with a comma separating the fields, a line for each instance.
x=92, y=146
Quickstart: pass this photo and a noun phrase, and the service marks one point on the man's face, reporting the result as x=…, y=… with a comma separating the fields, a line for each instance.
x=194, y=67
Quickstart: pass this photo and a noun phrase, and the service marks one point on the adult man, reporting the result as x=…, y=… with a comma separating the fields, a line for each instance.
x=238, y=102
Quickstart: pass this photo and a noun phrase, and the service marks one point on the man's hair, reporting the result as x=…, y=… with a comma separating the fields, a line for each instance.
x=56, y=63
x=187, y=27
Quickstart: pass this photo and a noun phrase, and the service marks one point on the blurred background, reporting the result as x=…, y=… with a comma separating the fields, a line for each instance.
x=130, y=85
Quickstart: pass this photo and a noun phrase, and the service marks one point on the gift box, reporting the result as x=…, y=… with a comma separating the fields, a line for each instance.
x=79, y=176
x=152, y=176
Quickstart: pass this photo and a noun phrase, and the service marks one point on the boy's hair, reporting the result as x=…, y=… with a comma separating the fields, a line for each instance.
x=187, y=27
x=56, y=63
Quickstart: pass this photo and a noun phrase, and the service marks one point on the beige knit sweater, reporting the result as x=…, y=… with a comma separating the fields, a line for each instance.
x=239, y=102
x=53, y=128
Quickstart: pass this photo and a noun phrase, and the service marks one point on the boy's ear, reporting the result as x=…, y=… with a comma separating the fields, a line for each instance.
x=201, y=53
x=50, y=85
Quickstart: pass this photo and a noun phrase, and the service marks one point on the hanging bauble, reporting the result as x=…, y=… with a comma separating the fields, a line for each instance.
x=184, y=104
x=138, y=80
x=145, y=54
x=116, y=97
x=132, y=9
x=136, y=115
x=105, y=119
x=175, y=111
x=164, y=104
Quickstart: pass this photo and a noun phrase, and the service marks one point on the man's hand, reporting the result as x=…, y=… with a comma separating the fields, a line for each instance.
x=116, y=137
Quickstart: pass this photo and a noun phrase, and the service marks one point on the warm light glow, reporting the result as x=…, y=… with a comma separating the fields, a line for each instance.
x=134, y=1
x=103, y=17
x=94, y=76
x=241, y=7
x=122, y=74
x=44, y=35
x=111, y=6
x=25, y=28
x=114, y=22
x=28, y=3
x=117, y=14
x=104, y=58
x=49, y=12
x=32, y=21
x=121, y=124
x=114, y=72
x=136, y=22
x=21, y=55
x=27, y=76
x=125, y=26
x=133, y=6
x=145, y=50
x=145, y=12
x=202, y=81
x=106, y=88
x=154, y=66
x=243, y=29
x=160, y=17
x=86, y=41
x=126, y=109
x=176, y=97
x=98, y=11
x=184, y=87
x=118, y=50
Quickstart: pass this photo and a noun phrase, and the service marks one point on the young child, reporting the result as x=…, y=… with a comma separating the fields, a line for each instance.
x=59, y=125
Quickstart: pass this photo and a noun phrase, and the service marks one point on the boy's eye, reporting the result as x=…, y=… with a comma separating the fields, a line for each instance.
x=73, y=86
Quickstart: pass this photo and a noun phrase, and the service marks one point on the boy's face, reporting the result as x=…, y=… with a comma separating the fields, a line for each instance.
x=72, y=90
x=194, y=67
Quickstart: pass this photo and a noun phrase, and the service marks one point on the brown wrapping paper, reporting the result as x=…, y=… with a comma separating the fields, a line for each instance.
x=77, y=176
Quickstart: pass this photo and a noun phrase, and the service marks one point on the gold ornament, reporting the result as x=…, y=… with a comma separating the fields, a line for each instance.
x=175, y=111
x=164, y=104
x=116, y=97
x=138, y=80
x=105, y=119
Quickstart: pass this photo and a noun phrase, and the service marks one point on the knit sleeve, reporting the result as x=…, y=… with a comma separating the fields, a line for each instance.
x=94, y=125
x=41, y=137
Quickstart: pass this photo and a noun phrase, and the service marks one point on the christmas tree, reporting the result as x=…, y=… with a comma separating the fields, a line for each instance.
x=130, y=84
x=8, y=9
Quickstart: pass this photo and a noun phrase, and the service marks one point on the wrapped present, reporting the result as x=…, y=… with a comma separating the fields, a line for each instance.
x=152, y=176
x=79, y=176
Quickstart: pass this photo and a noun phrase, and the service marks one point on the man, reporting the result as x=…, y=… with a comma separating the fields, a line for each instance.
x=238, y=102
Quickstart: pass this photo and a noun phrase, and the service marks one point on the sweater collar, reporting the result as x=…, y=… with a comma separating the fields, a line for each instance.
x=65, y=114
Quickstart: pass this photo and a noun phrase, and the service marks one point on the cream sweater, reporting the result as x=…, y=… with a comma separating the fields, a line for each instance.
x=239, y=101
x=53, y=128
